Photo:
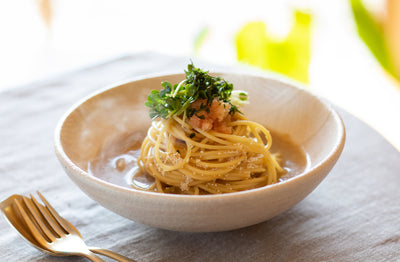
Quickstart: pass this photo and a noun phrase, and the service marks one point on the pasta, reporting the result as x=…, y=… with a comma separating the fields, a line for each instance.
x=189, y=160
x=200, y=142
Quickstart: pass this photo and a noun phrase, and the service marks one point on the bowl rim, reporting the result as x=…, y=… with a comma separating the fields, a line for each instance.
x=333, y=153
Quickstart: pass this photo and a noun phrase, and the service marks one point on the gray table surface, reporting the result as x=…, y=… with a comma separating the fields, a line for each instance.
x=354, y=215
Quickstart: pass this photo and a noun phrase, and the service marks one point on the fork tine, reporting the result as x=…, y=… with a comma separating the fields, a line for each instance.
x=32, y=227
x=59, y=219
x=39, y=219
x=49, y=218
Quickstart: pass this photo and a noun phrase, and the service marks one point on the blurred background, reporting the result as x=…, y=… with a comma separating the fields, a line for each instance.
x=347, y=51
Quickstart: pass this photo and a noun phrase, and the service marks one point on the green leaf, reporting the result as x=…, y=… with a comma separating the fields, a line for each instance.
x=289, y=56
x=176, y=100
x=371, y=32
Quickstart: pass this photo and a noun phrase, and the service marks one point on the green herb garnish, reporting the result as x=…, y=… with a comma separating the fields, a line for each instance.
x=176, y=99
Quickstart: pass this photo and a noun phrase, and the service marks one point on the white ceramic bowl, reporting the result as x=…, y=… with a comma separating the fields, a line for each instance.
x=311, y=122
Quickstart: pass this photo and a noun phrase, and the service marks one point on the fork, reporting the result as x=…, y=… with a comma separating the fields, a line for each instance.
x=56, y=234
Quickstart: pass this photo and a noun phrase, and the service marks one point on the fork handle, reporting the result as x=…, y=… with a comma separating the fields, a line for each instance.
x=110, y=254
x=91, y=256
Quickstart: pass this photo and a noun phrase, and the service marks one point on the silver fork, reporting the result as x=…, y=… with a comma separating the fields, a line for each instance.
x=55, y=233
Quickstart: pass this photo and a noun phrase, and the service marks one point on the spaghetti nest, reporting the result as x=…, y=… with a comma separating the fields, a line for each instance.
x=188, y=160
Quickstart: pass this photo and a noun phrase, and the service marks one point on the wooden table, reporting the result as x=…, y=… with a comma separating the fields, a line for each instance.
x=354, y=215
